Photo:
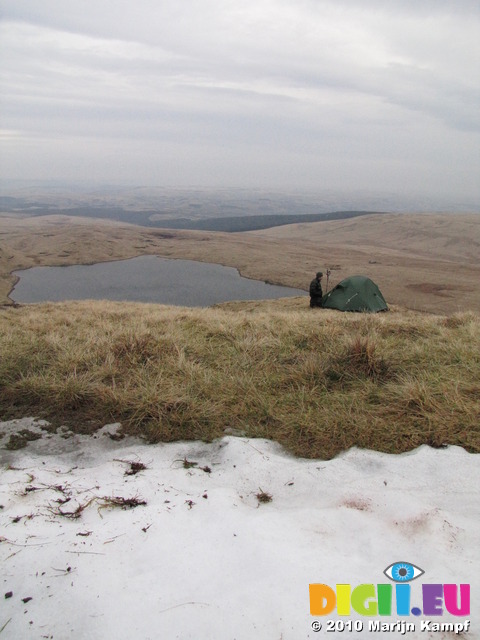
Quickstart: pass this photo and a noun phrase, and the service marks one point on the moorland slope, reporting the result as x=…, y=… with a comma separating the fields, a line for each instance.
x=450, y=236
x=426, y=262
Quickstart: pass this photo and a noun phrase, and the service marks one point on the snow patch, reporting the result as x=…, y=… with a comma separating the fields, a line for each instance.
x=204, y=557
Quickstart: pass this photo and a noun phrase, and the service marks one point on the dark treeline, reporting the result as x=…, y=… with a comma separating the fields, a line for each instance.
x=253, y=223
x=227, y=223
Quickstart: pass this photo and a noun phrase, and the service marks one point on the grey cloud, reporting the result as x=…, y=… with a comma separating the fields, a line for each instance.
x=279, y=78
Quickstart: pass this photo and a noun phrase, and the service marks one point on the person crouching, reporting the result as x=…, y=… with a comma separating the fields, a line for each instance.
x=316, y=293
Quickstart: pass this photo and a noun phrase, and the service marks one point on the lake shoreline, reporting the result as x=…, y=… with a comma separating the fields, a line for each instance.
x=182, y=283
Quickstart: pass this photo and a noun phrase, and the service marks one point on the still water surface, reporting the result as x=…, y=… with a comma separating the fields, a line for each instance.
x=144, y=279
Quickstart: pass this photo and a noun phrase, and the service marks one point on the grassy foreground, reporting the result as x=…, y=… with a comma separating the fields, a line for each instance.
x=316, y=381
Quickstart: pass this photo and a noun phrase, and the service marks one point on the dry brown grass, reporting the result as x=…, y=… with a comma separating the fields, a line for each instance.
x=426, y=262
x=451, y=236
x=317, y=381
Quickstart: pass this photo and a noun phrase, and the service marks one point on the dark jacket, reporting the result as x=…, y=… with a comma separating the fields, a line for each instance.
x=316, y=293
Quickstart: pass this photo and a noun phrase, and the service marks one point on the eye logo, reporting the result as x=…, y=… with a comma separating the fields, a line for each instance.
x=403, y=572
x=379, y=600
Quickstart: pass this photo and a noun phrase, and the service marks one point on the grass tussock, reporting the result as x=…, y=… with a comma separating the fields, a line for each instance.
x=318, y=382
x=359, y=359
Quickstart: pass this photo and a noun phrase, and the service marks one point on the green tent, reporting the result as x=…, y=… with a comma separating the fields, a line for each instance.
x=356, y=293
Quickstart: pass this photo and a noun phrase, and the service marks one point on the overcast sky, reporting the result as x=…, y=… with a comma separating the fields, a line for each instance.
x=314, y=94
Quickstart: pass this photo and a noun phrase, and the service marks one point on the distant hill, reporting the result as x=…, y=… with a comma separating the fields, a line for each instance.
x=141, y=218
x=446, y=236
x=255, y=223
x=161, y=219
x=427, y=262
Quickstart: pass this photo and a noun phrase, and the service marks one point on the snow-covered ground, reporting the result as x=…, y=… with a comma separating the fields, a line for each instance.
x=205, y=558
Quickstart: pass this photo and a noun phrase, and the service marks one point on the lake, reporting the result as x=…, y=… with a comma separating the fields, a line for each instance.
x=144, y=279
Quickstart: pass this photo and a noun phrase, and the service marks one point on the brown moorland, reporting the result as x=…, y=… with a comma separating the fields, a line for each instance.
x=426, y=262
x=317, y=381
